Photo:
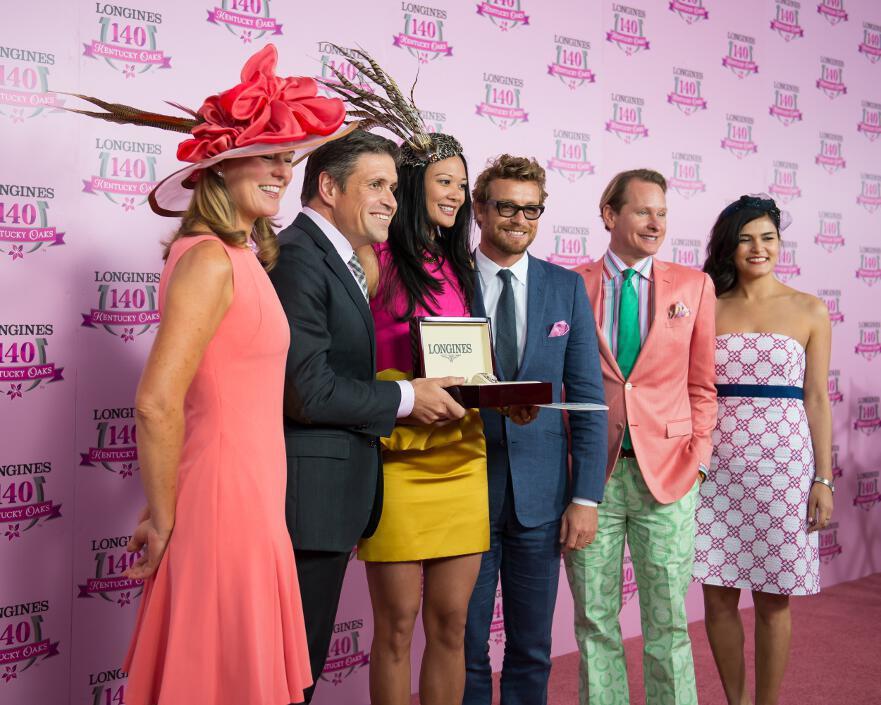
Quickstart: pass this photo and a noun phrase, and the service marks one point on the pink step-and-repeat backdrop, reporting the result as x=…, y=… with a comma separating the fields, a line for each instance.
x=724, y=98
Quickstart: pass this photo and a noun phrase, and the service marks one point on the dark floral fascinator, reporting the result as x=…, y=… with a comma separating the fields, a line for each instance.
x=394, y=112
x=264, y=114
x=760, y=202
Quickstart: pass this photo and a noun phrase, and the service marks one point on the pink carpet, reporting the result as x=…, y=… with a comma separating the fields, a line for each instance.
x=835, y=657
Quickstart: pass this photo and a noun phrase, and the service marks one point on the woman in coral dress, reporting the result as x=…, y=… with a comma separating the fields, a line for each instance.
x=770, y=484
x=220, y=620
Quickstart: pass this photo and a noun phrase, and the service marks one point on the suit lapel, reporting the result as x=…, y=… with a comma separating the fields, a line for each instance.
x=341, y=271
x=478, y=308
x=662, y=281
x=535, y=304
x=595, y=292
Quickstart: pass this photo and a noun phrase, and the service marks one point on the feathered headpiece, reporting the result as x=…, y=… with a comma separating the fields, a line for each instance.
x=263, y=114
x=395, y=112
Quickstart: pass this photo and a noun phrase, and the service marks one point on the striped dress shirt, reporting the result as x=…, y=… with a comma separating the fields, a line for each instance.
x=613, y=280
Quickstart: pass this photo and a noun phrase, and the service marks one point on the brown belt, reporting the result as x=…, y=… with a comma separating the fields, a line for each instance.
x=627, y=453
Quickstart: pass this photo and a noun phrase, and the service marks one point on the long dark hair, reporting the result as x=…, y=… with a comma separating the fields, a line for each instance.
x=410, y=244
x=725, y=237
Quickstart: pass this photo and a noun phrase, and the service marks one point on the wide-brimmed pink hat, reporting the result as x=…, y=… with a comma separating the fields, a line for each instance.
x=264, y=114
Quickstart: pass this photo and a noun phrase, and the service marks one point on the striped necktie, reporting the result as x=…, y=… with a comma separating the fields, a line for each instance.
x=358, y=271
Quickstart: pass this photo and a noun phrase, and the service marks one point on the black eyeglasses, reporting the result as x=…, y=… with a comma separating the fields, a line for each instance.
x=506, y=209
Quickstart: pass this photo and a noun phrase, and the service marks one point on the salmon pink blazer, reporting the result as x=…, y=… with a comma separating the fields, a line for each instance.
x=670, y=396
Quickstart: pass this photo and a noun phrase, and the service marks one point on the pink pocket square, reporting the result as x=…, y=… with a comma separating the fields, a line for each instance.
x=559, y=328
x=678, y=310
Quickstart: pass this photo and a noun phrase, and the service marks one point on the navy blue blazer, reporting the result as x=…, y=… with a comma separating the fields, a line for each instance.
x=538, y=452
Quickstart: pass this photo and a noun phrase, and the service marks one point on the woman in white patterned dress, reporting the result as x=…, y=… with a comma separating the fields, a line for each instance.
x=770, y=484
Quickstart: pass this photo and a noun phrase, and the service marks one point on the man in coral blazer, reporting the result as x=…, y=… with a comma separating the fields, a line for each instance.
x=656, y=330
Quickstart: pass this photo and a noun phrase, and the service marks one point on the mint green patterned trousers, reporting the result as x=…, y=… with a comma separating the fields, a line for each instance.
x=661, y=540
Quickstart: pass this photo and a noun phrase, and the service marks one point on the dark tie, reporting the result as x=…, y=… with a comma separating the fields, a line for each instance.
x=358, y=271
x=506, y=328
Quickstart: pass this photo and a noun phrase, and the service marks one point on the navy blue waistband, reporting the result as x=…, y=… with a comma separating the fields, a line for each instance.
x=771, y=391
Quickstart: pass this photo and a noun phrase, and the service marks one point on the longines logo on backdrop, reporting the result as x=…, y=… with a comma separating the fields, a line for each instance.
x=785, y=23
x=686, y=179
x=24, y=498
x=829, y=156
x=25, y=358
x=24, y=641
x=127, y=40
x=434, y=121
x=829, y=546
x=570, y=63
x=686, y=93
x=108, y=687
x=870, y=47
x=829, y=236
x=833, y=11
x=831, y=80
x=570, y=246
x=740, y=55
x=870, y=341
x=835, y=395
x=111, y=560
x=450, y=351
x=786, y=267
x=248, y=20
x=423, y=35
x=628, y=30
x=870, y=124
x=127, y=304
x=626, y=123
x=870, y=192
x=116, y=447
x=785, y=106
x=497, y=623
x=869, y=270
x=832, y=297
x=24, y=223
x=331, y=59
x=837, y=471
x=346, y=653
x=570, y=155
x=739, y=140
x=689, y=10
x=785, y=187
x=867, y=495
x=501, y=103
x=126, y=171
x=628, y=581
x=687, y=253
x=868, y=420
x=24, y=83
x=504, y=14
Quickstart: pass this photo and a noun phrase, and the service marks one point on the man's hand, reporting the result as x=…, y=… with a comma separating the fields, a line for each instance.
x=432, y=403
x=578, y=527
x=522, y=415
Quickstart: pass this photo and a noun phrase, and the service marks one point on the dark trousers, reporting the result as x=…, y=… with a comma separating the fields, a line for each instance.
x=320, y=574
x=528, y=560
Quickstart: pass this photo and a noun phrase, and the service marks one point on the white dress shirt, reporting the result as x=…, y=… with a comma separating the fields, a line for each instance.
x=344, y=249
x=491, y=288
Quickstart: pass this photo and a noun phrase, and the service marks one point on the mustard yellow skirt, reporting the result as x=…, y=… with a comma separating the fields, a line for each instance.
x=435, y=501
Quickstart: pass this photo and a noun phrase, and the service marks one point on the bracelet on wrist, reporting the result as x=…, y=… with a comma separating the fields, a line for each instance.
x=824, y=481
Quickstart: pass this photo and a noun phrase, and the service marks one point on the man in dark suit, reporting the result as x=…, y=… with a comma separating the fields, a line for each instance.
x=544, y=330
x=334, y=409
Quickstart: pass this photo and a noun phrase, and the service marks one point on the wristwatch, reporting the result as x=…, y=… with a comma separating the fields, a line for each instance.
x=824, y=481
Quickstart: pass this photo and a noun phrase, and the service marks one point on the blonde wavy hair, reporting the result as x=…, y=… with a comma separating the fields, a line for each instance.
x=212, y=208
x=507, y=166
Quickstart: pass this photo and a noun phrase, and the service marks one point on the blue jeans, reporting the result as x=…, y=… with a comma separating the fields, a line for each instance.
x=528, y=560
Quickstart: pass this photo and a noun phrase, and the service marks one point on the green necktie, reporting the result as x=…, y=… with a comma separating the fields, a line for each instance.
x=629, y=341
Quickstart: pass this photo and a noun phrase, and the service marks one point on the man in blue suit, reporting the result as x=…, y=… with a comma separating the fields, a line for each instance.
x=544, y=329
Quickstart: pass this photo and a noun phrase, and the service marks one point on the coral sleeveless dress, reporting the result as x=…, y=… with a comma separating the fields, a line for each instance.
x=752, y=515
x=435, y=497
x=220, y=622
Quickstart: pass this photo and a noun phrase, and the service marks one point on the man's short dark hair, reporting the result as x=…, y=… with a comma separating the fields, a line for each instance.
x=338, y=159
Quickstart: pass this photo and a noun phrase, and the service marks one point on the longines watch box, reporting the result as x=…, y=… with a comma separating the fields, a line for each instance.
x=463, y=347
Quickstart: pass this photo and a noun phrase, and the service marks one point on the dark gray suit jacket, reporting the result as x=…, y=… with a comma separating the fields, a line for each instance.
x=334, y=409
